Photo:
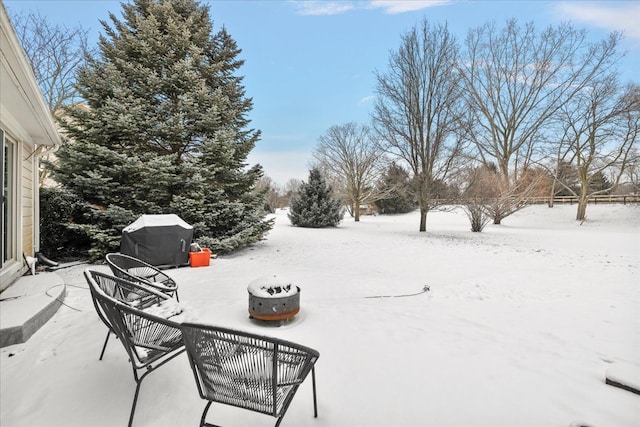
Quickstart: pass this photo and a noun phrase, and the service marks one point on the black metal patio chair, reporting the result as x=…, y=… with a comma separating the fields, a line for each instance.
x=248, y=371
x=124, y=291
x=150, y=341
x=136, y=270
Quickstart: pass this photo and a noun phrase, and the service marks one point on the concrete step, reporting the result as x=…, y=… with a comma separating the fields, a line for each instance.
x=28, y=304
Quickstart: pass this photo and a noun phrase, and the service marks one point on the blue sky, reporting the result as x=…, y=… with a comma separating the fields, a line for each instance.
x=310, y=64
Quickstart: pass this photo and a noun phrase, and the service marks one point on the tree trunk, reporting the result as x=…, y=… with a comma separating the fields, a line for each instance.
x=423, y=219
x=581, y=215
x=356, y=211
x=497, y=213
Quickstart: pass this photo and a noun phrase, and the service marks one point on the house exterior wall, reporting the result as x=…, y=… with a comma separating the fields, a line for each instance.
x=26, y=124
x=16, y=237
x=28, y=191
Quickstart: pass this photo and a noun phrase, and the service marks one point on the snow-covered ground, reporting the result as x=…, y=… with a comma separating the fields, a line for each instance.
x=519, y=326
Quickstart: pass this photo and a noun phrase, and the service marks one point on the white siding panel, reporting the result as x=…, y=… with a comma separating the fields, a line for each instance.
x=28, y=190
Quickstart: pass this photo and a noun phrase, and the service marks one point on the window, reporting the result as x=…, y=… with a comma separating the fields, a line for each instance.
x=7, y=214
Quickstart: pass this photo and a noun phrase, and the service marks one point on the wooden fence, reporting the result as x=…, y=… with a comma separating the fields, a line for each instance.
x=621, y=198
x=571, y=200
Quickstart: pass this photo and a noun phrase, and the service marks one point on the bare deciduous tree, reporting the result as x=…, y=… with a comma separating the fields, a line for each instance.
x=291, y=186
x=516, y=80
x=418, y=108
x=55, y=53
x=351, y=156
x=601, y=126
x=484, y=196
x=271, y=193
x=480, y=188
x=632, y=172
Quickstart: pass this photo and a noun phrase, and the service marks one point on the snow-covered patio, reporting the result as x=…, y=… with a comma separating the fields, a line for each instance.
x=519, y=326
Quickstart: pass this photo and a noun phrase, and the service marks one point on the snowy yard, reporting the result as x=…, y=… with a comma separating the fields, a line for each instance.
x=519, y=326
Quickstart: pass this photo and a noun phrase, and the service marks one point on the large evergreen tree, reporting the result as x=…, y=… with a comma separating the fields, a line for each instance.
x=314, y=205
x=164, y=129
x=396, y=185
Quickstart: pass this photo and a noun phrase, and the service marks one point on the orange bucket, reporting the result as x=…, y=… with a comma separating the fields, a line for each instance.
x=200, y=259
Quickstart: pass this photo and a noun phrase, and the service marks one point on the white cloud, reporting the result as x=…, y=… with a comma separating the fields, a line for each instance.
x=401, y=6
x=366, y=100
x=318, y=7
x=622, y=17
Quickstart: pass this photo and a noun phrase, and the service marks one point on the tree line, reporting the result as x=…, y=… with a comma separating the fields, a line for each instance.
x=508, y=113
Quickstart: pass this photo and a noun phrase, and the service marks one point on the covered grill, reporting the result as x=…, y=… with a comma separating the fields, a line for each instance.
x=159, y=240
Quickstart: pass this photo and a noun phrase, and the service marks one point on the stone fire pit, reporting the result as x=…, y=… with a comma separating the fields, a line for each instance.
x=271, y=298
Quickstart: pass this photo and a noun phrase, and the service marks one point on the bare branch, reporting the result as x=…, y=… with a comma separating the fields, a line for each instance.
x=517, y=79
x=351, y=156
x=601, y=127
x=418, y=109
x=55, y=53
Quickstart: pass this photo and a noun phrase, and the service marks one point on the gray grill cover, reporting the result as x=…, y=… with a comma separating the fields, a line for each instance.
x=160, y=240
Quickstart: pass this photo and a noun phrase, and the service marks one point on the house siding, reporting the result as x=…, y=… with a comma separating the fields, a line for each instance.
x=26, y=121
x=28, y=195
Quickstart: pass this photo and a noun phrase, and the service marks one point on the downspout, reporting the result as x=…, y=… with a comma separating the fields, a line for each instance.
x=40, y=151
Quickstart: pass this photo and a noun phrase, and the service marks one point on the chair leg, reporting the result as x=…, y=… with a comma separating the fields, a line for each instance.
x=204, y=416
x=315, y=402
x=135, y=401
x=138, y=380
x=104, y=347
x=135, y=396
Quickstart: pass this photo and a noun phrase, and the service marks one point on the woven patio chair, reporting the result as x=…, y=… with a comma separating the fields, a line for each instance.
x=135, y=270
x=150, y=341
x=124, y=291
x=253, y=372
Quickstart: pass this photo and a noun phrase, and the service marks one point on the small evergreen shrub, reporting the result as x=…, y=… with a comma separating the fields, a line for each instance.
x=60, y=212
x=314, y=205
